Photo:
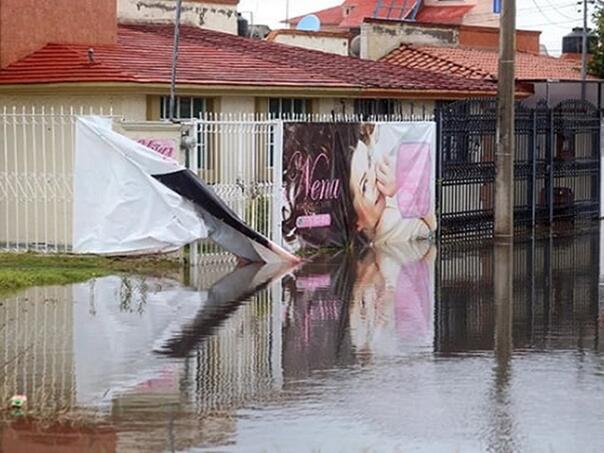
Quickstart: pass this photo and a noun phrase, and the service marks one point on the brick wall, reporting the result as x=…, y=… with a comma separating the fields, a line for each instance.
x=27, y=25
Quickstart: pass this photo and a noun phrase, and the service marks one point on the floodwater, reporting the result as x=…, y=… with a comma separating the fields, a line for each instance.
x=411, y=350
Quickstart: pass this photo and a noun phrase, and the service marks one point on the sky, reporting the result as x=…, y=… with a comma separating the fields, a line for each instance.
x=555, y=18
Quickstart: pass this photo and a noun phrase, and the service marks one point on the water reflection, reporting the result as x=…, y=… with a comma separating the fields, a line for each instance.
x=555, y=296
x=346, y=353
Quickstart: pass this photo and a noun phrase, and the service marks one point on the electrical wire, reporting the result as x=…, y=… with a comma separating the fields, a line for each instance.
x=555, y=8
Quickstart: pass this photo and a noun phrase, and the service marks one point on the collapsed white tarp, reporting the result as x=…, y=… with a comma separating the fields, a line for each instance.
x=128, y=199
x=119, y=208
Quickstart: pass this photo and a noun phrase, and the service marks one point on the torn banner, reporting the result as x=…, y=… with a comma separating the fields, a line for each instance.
x=130, y=200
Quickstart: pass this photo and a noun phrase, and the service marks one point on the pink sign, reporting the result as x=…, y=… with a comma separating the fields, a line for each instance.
x=165, y=147
x=313, y=282
x=314, y=221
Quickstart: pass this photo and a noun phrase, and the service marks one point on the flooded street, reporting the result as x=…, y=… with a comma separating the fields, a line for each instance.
x=412, y=350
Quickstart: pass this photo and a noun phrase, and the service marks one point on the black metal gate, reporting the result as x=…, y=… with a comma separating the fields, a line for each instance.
x=557, y=165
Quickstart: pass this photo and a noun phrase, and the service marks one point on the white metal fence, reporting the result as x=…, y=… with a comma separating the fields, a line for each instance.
x=240, y=157
x=36, y=174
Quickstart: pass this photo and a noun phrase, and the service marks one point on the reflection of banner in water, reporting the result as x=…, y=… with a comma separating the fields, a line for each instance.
x=374, y=303
x=358, y=182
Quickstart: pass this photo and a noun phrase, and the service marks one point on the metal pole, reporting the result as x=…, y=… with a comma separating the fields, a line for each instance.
x=175, y=60
x=584, y=54
x=287, y=12
x=504, y=157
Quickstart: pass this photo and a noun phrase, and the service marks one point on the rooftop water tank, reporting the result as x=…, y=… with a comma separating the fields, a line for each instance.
x=243, y=28
x=572, y=42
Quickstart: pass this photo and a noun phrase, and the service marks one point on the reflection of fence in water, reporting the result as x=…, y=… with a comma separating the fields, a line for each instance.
x=555, y=287
x=36, y=348
x=241, y=361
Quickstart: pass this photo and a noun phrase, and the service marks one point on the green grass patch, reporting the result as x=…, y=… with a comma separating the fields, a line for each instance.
x=20, y=271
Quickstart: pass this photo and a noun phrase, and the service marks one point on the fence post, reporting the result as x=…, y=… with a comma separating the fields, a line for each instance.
x=439, y=170
x=550, y=164
x=533, y=180
x=601, y=166
x=277, y=183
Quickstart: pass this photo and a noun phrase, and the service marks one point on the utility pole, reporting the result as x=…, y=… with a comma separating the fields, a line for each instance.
x=287, y=12
x=584, y=54
x=504, y=153
x=175, y=60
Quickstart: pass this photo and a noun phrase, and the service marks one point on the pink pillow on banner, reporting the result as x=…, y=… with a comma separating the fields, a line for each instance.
x=413, y=179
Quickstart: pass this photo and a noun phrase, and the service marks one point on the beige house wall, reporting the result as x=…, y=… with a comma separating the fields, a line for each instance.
x=237, y=104
x=131, y=106
x=329, y=44
x=212, y=16
x=339, y=106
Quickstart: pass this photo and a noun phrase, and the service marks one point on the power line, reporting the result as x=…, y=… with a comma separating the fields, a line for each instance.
x=557, y=9
x=545, y=16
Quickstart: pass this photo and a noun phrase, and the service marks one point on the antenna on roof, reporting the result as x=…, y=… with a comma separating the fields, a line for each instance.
x=309, y=23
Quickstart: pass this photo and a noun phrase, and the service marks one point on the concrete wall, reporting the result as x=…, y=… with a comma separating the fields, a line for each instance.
x=220, y=15
x=27, y=25
x=378, y=38
x=320, y=41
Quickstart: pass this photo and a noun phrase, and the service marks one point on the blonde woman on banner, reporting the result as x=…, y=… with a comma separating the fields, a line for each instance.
x=392, y=182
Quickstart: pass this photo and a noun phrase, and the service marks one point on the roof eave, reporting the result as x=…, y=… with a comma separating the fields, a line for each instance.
x=222, y=89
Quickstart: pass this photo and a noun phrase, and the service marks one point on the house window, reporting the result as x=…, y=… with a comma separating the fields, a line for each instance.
x=185, y=107
x=287, y=107
x=374, y=107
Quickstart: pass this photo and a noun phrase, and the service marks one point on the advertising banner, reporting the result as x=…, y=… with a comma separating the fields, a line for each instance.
x=358, y=183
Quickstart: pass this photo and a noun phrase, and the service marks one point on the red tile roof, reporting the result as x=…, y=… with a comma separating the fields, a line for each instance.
x=442, y=14
x=421, y=58
x=209, y=58
x=481, y=63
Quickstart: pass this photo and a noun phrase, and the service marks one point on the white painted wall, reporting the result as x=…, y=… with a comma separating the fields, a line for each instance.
x=204, y=14
x=329, y=44
x=556, y=92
